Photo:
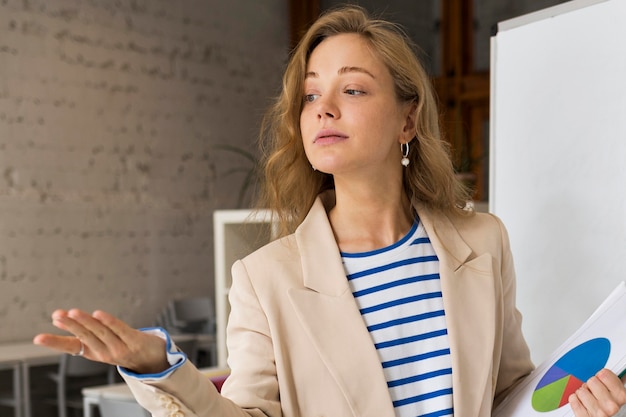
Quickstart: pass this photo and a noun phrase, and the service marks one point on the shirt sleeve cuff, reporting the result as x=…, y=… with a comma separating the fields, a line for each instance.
x=175, y=357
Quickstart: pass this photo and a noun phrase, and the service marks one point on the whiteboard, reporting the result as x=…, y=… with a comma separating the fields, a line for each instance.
x=558, y=161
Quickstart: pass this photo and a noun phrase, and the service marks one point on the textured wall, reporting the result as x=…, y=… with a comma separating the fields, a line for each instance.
x=110, y=111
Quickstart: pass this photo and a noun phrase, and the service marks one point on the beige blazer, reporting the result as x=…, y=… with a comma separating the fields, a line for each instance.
x=298, y=346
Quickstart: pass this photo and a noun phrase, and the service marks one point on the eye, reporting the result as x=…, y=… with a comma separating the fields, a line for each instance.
x=354, y=92
x=310, y=98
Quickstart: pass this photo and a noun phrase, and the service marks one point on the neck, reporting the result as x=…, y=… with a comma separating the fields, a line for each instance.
x=365, y=221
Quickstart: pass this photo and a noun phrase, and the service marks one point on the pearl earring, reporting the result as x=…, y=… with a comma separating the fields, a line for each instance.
x=404, y=148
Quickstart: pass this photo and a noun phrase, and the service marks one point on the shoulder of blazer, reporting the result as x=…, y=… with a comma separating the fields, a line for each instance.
x=477, y=232
x=310, y=253
x=314, y=226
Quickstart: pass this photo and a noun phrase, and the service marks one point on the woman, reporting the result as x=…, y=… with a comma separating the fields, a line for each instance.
x=385, y=295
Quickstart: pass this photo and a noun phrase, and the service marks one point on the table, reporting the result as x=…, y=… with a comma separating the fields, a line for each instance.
x=20, y=357
x=121, y=391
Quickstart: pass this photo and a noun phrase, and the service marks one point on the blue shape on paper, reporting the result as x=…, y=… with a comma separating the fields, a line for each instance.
x=582, y=361
x=586, y=359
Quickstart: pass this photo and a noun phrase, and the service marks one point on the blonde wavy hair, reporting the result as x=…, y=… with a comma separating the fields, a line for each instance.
x=289, y=184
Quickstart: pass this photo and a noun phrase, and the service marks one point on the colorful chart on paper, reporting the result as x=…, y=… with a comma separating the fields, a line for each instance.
x=569, y=372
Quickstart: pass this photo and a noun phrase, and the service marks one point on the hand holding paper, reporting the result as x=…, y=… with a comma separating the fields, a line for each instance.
x=599, y=343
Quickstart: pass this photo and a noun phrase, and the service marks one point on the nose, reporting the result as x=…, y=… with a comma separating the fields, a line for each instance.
x=327, y=107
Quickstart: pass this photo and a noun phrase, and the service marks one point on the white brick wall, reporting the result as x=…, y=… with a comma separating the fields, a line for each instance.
x=109, y=114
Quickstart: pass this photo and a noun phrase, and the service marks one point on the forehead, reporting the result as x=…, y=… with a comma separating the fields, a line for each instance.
x=345, y=50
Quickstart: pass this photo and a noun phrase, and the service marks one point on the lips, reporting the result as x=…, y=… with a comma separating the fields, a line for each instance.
x=329, y=135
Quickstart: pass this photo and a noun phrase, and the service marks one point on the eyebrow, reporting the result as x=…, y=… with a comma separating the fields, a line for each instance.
x=342, y=70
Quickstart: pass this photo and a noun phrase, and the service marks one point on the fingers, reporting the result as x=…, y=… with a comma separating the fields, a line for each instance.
x=121, y=338
x=143, y=352
x=66, y=344
x=102, y=343
x=106, y=339
x=577, y=406
x=98, y=340
x=602, y=395
x=614, y=385
x=116, y=326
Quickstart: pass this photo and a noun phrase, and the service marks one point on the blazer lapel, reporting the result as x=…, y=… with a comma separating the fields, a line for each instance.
x=469, y=301
x=332, y=320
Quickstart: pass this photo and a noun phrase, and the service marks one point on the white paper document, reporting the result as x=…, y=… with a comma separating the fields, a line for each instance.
x=599, y=343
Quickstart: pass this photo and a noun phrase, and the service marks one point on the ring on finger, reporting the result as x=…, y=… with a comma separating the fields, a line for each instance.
x=81, y=352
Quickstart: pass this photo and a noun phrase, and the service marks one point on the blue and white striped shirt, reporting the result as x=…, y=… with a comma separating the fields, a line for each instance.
x=398, y=292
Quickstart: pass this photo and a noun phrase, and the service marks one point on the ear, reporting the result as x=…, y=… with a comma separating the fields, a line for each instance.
x=408, y=130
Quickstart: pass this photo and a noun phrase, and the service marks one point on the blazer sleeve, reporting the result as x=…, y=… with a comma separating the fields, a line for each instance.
x=186, y=392
x=253, y=382
x=515, y=361
x=251, y=388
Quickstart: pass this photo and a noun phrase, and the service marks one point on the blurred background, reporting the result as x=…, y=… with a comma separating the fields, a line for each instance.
x=124, y=124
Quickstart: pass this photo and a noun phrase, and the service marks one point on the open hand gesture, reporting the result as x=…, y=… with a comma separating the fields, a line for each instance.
x=103, y=338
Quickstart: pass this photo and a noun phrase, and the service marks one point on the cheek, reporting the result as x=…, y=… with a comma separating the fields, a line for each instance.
x=307, y=127
x=391, y=121
x=305, y=133
x=303, y=122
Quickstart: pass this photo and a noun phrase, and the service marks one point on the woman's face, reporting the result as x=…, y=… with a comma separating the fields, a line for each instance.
x=351, y=120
